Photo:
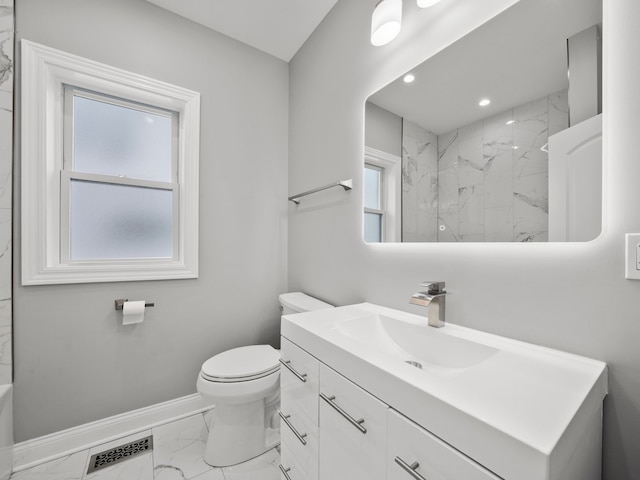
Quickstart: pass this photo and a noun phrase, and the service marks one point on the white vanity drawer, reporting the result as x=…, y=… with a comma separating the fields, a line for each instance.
x=289, y=467
x=409, y=443
x=299, y=380
x=353, y=430
x=300, y=436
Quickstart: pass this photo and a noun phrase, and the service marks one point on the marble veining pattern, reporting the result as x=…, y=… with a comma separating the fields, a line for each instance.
x=419, y=184
x=177, y=454
x=487, y=181
x=493, y=174
x=6, y=158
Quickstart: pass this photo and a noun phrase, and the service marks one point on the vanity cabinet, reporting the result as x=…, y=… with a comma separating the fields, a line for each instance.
x=331, y=429
x=353, y=430
x=299, y=377
x=414, y=453
x=447, y=403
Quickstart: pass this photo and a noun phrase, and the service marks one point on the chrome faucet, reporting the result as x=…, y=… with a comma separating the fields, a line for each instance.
x=433, y=299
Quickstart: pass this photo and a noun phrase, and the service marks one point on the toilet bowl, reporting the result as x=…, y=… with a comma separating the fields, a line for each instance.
x=244, y=385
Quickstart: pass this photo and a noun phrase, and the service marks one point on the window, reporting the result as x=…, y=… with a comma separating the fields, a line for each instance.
x=110, y=173
x=374, y=215
x=381, y=197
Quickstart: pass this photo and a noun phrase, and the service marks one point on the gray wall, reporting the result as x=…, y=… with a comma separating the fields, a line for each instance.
x=568, y=296
x=384, y=130
x=74, y=363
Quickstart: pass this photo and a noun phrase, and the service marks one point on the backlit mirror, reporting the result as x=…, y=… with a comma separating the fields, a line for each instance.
x=493, y=140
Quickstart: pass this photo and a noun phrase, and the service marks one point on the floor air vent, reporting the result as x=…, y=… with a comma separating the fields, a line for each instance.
x=120, y=453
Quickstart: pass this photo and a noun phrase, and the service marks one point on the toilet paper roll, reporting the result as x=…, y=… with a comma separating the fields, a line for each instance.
x=133, y=312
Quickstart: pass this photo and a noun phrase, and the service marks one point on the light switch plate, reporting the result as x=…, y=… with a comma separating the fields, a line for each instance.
x=632, y=263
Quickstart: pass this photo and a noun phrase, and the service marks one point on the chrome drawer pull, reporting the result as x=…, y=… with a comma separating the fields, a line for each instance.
x=285, y=472
x=410, y=469
x=352, y=421
x=301, y=376
x=285, y=419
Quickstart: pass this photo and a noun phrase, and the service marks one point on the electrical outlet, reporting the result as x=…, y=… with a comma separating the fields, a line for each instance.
x=632, y=264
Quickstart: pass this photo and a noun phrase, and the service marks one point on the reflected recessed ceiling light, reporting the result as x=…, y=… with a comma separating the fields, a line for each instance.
x=484, y=102
x=409, y=77
x=515, y=147
x=386, y=21
x=511, y=122
x=427, y=3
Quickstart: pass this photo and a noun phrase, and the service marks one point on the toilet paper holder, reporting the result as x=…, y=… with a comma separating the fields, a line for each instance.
x=120, y=303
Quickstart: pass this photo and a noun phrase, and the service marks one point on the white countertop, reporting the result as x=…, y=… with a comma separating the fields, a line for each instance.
x=509, y=411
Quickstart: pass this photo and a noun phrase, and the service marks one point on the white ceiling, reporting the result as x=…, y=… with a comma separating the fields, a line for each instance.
x=515, y=58
x=277, y=27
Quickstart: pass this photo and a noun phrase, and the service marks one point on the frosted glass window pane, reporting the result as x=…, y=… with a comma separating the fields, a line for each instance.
x=372, y=227
x=118, y=221
x=371, y=188
x=115, y=140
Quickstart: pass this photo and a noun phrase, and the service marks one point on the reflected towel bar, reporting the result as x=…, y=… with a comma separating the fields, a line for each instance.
x=346, y=184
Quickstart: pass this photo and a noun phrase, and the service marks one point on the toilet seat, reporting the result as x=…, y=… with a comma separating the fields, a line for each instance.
x=241, y=364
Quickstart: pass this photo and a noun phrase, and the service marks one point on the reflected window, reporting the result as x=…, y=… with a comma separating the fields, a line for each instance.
x=374, y=211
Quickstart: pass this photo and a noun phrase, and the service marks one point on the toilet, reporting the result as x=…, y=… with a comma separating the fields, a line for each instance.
x=244, y=385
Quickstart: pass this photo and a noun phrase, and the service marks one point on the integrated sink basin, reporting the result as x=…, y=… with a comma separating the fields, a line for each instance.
x=425, y=348
x=516, y=408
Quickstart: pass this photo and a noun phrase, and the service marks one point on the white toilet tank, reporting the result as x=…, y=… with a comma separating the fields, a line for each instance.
x=298, y=302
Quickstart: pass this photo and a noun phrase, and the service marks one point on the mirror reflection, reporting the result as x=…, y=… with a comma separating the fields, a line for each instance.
x=491, y=140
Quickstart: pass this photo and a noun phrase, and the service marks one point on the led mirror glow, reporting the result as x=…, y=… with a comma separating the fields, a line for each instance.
x=386, y=22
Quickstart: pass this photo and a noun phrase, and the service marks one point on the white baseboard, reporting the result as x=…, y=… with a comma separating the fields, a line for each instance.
x=59, y=444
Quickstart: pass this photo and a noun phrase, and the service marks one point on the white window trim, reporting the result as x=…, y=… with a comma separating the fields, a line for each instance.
x=45, y=71
x=392, y=191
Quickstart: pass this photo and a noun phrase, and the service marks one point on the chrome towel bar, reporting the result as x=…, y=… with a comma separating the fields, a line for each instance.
x=346, y=184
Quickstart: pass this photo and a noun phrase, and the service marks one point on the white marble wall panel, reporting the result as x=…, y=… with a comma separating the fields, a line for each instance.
x=558, y=112
x=419, y=184
x=492, y=183
x=448, y=201
x=6, y=159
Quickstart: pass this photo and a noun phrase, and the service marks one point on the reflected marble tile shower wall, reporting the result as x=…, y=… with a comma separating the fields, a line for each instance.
x=487, y=181
x=6, y=158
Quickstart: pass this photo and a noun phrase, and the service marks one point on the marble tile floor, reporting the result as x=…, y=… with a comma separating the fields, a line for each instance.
x=178, y=448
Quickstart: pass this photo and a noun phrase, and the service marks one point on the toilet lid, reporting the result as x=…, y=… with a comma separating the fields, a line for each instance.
x=243, y=363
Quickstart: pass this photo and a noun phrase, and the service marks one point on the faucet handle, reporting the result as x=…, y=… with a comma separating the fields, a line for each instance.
x=434, y=287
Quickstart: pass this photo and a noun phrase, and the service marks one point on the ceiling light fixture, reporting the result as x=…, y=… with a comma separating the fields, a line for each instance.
x=386, y=21
x=409, y=78
x=427, y=3
x=484, y=102
x=510, y=122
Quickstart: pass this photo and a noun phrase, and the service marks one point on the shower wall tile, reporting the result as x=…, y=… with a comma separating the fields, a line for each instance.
x=471, y=213
x=501, y=168
x=531, y=208
x=448, y=200
x=471, y=159
x=448, y=150
x=486, y=181
x=419, y=183
x=5, y=340
x=6, y=156
x=531, y=127
x=558, y=112
x=6, y=147
x=498, y=179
